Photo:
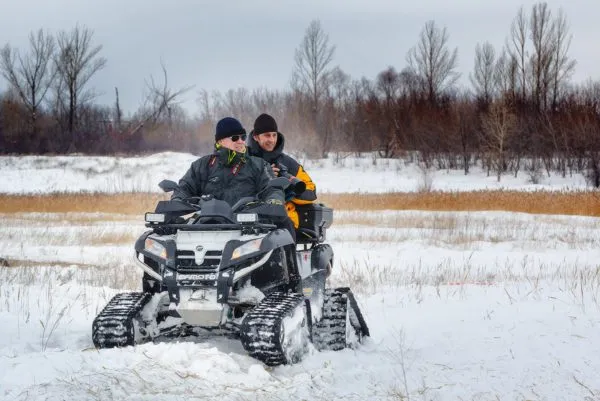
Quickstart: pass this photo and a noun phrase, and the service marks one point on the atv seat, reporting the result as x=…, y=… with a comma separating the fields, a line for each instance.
x=314, y=219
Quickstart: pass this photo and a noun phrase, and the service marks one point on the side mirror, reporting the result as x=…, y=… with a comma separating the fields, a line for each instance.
x=168, y=185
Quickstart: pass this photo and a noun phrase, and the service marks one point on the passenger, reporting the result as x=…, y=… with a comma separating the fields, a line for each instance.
x=267, y=143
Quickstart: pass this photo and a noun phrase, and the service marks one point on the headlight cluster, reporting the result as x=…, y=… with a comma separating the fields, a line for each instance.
x=155, y=248
x=246, y=248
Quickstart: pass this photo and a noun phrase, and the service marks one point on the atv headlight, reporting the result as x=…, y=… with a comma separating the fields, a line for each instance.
x=246, y=248
x=247, y=218
x=155, y=248
x=155, y=217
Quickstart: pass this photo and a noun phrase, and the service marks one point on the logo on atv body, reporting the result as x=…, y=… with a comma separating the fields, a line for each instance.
x=203, y=277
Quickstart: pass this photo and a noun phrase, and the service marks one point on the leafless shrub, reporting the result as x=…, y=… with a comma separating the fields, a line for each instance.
x=425, y=179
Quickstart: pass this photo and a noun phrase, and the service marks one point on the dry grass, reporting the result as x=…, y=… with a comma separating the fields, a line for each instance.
x=12, y=263
x=458, y=229
x=109, y=238
x=118, y=275
x=123, y=203
x=585, y=203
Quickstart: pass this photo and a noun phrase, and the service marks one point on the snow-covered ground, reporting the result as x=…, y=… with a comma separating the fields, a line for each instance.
x=35, y=174
x=461, y=306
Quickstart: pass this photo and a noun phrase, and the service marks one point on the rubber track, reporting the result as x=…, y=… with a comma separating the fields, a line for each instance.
x=261, y=328
x=356, y=317
x=113, y=327
x=330, y=332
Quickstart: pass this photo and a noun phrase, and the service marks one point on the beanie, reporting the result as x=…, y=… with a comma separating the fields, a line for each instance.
x=227, y=127
x=264, y=123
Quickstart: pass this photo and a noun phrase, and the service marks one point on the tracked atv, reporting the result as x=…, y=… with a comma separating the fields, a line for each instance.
x=230, y=270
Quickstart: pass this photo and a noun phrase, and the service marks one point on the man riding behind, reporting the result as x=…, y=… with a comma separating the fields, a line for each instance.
x=267, y=143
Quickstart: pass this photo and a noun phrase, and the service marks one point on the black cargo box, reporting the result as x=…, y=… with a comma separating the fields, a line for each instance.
x=314, y=218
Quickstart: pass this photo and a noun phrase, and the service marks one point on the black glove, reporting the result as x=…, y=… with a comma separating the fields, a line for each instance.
x=274, y=202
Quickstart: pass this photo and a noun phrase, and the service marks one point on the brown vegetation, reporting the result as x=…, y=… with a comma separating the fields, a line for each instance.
x=126, y=203
x=585, y=203
x=544, y=202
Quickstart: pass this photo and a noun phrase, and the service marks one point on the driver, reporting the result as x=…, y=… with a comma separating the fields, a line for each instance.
x=229, y=173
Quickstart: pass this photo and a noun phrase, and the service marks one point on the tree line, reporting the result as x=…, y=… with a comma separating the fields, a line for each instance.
x=521, y=112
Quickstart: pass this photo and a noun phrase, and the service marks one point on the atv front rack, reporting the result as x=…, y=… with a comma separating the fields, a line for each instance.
x=212, y=227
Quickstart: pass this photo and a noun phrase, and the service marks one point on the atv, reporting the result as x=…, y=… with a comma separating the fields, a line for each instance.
x=209, y=266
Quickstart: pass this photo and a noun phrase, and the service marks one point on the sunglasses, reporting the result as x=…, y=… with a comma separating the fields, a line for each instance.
x=236, y=138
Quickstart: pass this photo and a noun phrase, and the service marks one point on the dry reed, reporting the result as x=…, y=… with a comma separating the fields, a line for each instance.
x=585, y=203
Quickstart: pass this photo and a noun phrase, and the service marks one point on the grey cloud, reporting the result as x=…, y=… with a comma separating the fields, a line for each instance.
x=221, y=45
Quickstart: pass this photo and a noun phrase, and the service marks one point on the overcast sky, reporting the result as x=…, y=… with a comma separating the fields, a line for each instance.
x=230, y=43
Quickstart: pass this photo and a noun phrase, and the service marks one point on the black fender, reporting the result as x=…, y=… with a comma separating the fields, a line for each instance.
x=139, y=243
x=275, y=239
x=321, y=256
x=170, y=246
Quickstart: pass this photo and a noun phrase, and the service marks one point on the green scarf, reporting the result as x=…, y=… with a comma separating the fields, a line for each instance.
x=228, y=156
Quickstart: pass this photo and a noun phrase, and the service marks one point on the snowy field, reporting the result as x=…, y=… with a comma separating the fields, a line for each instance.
x=141, y=174
x=461, y=306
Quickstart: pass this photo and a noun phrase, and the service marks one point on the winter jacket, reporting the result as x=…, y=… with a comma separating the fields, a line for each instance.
x=229, y=176
x=294, y=168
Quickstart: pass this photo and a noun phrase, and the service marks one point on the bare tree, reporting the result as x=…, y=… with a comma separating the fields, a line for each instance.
x=237, y=102
x=162, y=98
x=542, y=37
x=387, y=139
x=506, y=75
x=482, y=78
x=30, y=75
x=338, y=85
x=161, y=104
x=517, y=50
x=336, y=100
x=562, y=65
x=118, y=111
x=465, y=121
x=204, y=105
x=76, y=62
x=388, y=83
x=498, y=125
x=433, y=62
x=268, y=101
x=410, y=83
x=312, y=60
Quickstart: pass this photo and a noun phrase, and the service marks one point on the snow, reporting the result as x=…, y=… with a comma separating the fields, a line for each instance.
x=460, y=305
x=249, y=293
x=43, y=174
x=295, y=334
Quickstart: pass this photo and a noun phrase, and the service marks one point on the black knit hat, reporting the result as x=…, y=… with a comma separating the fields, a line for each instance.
x=265, y=123
x=227, y=127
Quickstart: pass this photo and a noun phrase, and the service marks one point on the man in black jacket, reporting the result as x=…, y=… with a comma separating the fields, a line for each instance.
x=229, y=173
x=267, y=143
